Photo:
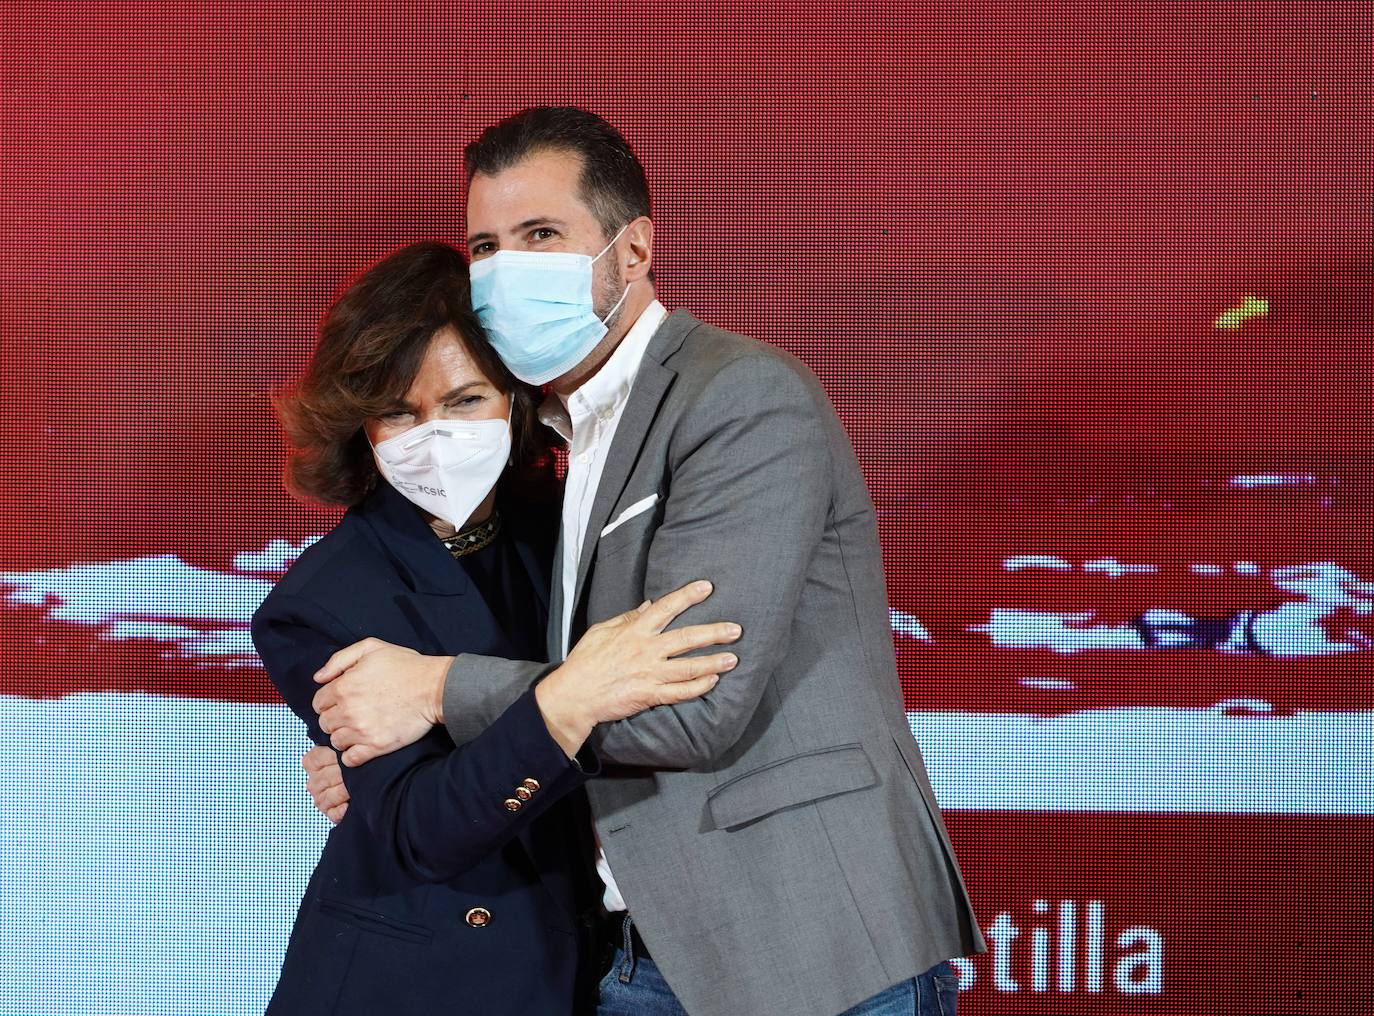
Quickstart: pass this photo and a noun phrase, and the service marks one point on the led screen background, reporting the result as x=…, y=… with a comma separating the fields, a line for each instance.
x=1089, y=285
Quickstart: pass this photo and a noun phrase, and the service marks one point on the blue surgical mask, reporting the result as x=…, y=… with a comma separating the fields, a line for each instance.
x=537, y=309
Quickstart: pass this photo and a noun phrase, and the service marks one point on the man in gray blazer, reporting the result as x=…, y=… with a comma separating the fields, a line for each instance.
x=775, y=843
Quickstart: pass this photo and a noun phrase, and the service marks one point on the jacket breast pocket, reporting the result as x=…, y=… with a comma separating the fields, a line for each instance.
x=633, y=532
x=369, y=920
x=800, y=779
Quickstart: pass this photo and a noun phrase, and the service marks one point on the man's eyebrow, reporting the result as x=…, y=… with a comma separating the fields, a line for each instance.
x=542, y=220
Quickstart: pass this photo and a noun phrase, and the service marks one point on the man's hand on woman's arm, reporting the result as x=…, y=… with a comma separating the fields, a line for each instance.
x=378, y=697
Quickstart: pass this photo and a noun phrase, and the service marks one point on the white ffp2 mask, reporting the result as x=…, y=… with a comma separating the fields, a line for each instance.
x=447, y=467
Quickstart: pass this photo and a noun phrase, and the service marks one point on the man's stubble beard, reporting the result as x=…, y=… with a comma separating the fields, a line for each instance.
x=608, y=293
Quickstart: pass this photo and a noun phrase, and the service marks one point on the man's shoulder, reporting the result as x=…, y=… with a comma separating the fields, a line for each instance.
x=718, y=356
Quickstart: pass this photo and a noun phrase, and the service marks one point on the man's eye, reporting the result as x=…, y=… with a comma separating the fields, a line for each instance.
x=483, y=249
x=543, y=233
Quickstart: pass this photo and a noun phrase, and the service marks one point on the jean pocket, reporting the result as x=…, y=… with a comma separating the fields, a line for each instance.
x=946, y=995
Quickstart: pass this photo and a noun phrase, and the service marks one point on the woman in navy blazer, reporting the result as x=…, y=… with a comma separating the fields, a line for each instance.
x=456, y=880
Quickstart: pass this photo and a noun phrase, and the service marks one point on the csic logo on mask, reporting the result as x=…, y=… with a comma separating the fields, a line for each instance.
x=406, y=487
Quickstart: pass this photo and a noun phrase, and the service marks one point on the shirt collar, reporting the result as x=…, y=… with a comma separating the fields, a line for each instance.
x=605, y=392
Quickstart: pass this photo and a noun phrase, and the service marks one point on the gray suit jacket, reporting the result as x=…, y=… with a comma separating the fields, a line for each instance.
x=777, y=840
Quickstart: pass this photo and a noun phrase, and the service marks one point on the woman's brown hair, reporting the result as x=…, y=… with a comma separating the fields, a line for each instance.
x=372, y=341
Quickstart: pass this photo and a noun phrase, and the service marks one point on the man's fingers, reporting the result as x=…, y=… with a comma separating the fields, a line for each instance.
x=625, y=618
x=666, y=608
x=671, y=694
x=345, y=658
x=322, y=779
x=324, y=698
x=332, y=798
x=343, y=739
x=358, y=754
x=336, y=815
x=699, y=636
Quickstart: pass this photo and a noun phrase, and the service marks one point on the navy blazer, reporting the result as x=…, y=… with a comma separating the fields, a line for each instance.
x=435, y=892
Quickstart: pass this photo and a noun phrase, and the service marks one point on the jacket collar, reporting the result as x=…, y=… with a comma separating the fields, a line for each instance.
x=651, y=385
x=403, y=534
x=670, y=336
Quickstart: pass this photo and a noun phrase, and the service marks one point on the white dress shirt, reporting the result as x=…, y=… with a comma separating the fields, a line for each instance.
x=588, y=423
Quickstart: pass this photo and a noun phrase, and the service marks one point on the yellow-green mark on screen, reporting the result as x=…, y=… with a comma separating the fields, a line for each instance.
x=1250, y=307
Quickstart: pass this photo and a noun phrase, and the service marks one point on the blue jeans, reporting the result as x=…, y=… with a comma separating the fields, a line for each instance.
x=934, y=993
x=634, y=987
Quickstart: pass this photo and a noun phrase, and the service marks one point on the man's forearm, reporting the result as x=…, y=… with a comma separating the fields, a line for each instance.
x=478, y=689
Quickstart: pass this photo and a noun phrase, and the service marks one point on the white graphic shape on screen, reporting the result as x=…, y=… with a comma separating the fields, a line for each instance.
x=909, y=625
x=1299, y=626
x=1294, y=628
x=199, y=613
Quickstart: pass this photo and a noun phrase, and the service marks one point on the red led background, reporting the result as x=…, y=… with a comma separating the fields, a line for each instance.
x=1007, y=236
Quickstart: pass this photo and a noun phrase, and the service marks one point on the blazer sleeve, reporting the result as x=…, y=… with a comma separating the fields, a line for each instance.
x=437, y=808
x=749, y=500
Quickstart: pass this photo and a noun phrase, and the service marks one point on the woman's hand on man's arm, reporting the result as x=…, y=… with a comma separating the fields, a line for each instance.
x=625, y=665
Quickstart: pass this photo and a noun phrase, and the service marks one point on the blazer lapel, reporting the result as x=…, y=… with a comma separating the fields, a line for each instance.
x=538, y=572
x=434, y=579
x=651, y=384
x=554, y=641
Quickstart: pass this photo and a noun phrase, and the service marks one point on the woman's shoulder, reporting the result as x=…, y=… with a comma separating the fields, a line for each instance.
x=335, y=563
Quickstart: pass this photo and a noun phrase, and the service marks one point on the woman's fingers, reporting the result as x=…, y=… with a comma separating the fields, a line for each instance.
x=683, y=691
x=665, y=609
x=699, y=636
x=692, y=668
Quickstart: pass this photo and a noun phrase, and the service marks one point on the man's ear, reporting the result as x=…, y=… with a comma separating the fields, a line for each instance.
x=637, y=253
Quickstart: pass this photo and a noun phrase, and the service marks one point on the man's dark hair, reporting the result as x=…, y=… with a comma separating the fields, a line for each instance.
x=613, y=184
